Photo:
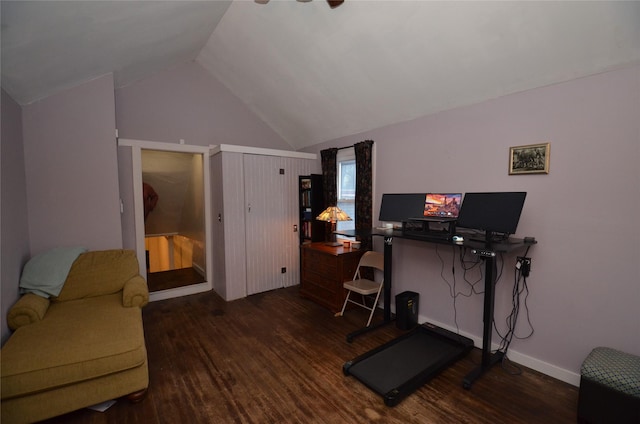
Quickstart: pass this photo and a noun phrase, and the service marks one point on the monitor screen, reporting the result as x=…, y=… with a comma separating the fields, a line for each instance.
x=398, y=207
x=497, y=212
x=442, y=205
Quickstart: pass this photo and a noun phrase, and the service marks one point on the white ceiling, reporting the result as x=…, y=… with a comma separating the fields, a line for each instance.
x=313, y=73
x=48, y=46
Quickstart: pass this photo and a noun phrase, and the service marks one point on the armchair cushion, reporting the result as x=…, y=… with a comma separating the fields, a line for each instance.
x=28, y=309
x=98, y=273
x=79, y=346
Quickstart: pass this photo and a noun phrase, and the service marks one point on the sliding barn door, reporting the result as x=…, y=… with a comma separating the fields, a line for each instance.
x=271, y=213
x=264, y=222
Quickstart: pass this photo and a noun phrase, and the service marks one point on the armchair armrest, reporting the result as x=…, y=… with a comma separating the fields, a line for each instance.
x=135, y=292
x=28, y=309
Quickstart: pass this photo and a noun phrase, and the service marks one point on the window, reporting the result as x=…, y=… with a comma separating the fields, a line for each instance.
x=346, y=180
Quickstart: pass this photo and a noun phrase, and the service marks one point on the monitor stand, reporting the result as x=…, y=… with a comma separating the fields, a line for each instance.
x=429, y=227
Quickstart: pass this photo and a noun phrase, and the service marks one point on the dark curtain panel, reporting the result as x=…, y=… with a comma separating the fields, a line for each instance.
x=364, y=201
x=329, y=176
x=329, y=182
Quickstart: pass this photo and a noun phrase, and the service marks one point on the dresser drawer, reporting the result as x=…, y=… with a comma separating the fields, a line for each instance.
x=322, y=263
x=320, y=280
x=321, y=293
x=324, y=269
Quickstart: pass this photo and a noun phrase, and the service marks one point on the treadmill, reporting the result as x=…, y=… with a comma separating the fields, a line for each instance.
x=401, y=366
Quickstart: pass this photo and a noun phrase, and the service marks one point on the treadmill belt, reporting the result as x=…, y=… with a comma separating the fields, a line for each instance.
x=399, y=367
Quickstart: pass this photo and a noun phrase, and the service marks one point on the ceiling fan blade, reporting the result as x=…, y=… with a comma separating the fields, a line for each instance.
x=335, y=3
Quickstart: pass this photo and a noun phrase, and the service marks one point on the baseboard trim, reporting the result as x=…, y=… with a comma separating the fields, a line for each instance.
x=199, y=268
x=545, y=368
x=519, y=358
x=179, y=291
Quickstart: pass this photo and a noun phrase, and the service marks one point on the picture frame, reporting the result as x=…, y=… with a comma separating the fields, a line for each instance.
x=529, y=159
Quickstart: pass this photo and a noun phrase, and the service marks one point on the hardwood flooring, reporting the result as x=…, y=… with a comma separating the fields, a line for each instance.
x=277, y=358
x=172, y=279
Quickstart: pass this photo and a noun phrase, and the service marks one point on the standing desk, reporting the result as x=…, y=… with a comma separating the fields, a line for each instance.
x=487, y=252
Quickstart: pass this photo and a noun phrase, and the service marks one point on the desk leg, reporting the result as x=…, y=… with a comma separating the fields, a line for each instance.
x=388, y=255
x=488, y=360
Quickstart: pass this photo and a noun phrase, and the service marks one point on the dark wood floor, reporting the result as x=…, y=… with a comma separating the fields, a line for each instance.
x=277, y=358
x=172, y=279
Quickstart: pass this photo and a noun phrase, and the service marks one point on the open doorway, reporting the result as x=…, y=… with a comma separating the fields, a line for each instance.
x=173, y=203
x=173, y=237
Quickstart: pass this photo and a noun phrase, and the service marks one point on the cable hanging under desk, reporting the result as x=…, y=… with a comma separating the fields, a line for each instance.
x=485, y=251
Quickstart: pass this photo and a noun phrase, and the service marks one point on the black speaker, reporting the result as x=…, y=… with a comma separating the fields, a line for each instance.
x=407, y=310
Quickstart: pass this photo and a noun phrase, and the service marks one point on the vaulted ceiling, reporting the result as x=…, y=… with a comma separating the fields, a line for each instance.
x=313, y=73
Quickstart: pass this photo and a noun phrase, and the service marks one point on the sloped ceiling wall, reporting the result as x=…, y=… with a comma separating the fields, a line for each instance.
x=316, y=74
x=48, y=46
x=313, y=73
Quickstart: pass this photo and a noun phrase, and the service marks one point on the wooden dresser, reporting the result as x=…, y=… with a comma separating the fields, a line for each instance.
x=323, y=270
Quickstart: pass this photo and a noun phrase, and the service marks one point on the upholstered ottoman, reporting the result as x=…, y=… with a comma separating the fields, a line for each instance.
x=609, y=387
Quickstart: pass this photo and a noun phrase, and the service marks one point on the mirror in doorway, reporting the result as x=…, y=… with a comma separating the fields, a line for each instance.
x=173, y=190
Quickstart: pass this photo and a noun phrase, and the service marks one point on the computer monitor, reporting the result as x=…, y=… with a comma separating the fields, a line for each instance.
x=442, y=205
x=497, y=212
x=398, y=207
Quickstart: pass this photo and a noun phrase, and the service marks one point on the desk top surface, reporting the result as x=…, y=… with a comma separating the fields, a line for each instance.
x=332, y=250
x=506, y=245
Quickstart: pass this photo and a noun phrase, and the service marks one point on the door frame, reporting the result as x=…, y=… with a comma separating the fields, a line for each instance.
x=136, y=160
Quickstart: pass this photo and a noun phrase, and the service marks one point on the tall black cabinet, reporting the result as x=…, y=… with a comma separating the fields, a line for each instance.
x=311, y=205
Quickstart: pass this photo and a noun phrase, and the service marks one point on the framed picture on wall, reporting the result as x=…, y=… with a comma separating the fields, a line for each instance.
x=529, y=159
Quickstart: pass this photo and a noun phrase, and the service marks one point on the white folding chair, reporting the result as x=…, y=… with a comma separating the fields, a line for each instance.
x=364, y=286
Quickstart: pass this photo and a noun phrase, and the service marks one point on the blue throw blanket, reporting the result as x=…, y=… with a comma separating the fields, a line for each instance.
x=46, y=273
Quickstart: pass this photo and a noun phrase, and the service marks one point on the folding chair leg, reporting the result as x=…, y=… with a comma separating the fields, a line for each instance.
x=344, y=305
x=373, y=307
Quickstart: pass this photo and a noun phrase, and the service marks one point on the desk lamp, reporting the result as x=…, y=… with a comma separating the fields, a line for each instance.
x=333, y=214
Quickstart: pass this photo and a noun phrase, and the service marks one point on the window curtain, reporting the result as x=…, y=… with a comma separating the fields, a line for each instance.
x=329, y=181
x=364, y=189
x=329, y=176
